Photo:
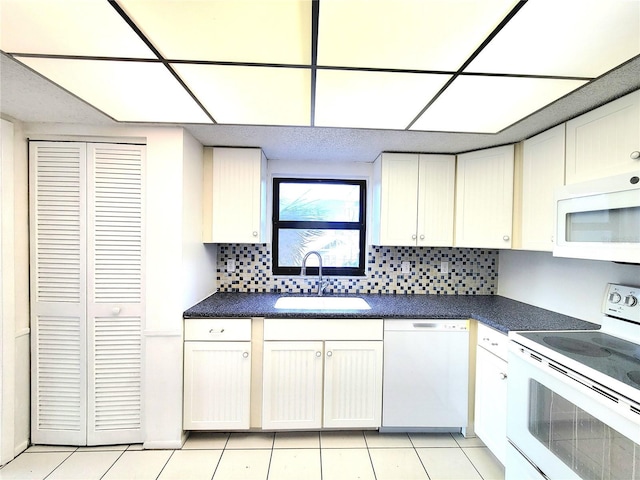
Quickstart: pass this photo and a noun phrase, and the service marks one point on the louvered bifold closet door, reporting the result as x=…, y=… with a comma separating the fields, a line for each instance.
x=58, y=292
x=115, y=293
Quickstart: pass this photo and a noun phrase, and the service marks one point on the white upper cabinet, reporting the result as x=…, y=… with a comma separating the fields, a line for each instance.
x=542, y=173
x=484, y=198
x=413, y=199
x=604, y=141
x=235, y=193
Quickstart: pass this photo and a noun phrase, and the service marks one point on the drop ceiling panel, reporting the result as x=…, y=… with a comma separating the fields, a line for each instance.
x=583, y=38
x=360, y=99
x=126, y=91
x=405, y=34
x=490, y=104
x=227, y=30
x=67, y=27
x=251, y=95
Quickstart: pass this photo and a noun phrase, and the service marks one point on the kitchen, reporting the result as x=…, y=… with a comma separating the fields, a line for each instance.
x=181, y=270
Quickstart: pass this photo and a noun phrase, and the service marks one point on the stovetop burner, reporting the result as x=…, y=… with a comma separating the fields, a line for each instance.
x=634, y=376
x=573, y=345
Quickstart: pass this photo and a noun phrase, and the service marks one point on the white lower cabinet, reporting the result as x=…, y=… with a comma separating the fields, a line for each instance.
x=217, y=374
x=491, y=391
x=322, y=381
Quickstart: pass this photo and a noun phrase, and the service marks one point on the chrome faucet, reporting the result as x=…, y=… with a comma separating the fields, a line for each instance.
x=303, y=271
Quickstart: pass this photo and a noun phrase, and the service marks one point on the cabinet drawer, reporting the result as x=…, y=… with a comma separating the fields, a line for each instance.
x=218, y=329
x=492, y=340
x=322, y=329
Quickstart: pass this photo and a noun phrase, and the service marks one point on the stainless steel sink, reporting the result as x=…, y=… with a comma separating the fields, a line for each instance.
x=322, y=303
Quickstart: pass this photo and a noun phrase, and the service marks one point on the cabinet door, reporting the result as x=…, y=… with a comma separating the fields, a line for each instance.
x=484, y=198
x=600, y=142
x=292, y=385
x=398, y=199
x=542, y=173
x=436, y=200
x=217, y=385
x=491, y=402
x=353, y=384
x=234, y=195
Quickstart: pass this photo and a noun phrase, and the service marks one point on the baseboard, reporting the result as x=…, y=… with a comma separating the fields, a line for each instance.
x=163, y=445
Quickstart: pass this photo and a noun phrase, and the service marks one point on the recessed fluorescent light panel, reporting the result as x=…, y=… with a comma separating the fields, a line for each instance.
x=372, y=99
x=437, y=65
x=63, y=27
x=251, y=95
x=127, y=91
x=489, y=104
x=262, y=31
x=405, y=34
x=579, y=38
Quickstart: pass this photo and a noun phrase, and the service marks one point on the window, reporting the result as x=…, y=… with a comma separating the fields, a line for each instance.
x=326, y=216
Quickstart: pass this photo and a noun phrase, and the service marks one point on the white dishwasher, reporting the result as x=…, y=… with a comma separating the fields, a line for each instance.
x=426, y=375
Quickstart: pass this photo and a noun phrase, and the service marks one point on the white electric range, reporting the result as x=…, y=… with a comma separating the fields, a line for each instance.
x=574, y=397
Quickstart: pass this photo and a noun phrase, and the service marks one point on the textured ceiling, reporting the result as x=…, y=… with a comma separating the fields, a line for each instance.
x=27, y=96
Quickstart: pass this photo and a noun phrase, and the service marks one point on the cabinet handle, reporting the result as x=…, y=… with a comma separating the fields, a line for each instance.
x=485, y=339
x=503, y=376
x=329, y=353
x=506, y=238
x=635, y=155
x=421, y=237
x=216, y=330
x=115, y=310
x=255, y=234
x=494, y=344
x=245, y=354
x=318, y=354
x=413, y=237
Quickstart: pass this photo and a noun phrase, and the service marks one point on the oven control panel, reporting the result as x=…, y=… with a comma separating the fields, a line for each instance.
x=622, y=301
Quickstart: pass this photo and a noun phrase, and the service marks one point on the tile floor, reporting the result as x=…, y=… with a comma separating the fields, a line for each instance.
x=360, y=455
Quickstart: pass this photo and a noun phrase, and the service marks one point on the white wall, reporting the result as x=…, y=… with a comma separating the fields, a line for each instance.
x=570, y=286
x=172, y=206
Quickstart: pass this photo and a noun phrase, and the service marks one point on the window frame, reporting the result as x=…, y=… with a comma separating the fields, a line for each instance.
x=360, y=225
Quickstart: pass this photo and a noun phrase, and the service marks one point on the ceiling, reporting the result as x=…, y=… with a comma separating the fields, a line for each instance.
x=320, y=80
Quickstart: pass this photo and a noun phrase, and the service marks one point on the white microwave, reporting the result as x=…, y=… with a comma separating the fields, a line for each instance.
x=600, y=219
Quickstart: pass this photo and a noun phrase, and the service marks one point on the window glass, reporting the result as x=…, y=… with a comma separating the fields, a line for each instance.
x=321, y=215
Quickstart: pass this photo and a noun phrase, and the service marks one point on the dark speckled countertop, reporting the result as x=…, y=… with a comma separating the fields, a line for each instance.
x=498, y=312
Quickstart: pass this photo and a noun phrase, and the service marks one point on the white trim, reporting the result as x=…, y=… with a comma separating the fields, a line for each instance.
x=23, y=332
x=163, y=445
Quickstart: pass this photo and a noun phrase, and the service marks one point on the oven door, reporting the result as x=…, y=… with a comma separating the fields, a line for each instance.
x=564, y=427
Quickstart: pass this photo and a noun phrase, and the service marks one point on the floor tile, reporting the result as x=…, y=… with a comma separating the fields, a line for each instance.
x=447, y=464
x=248, y=441
x=342, y=440
x=50, y=448
x=139, y=465
x=104, y=448
x=191, y=464
x=85, y=465
x=432, y=440
x=467, y=442
x=346, y=464
x=206, y=440
x=295, y=464
x=397, y=463
x=243, y=465
x=32, y=466
x=297, y=440
x=384, y=440
x=485, y=462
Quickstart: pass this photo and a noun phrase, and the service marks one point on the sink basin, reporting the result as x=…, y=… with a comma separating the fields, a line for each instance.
x=322, y=303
